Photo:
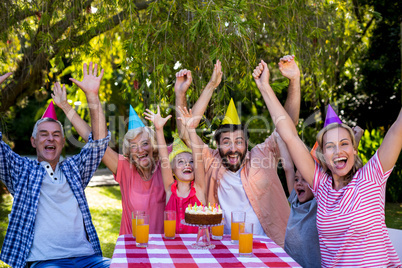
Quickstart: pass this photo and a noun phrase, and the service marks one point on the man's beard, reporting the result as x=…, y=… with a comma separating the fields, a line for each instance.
x=226, y=163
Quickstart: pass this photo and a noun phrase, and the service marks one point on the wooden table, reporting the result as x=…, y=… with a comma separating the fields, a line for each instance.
x=179, y=253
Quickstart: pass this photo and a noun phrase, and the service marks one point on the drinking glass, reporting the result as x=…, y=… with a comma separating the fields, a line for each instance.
x=169, y=224
x=134, y=221
x=142, y=230
x=237, y=217
x=245, y=239
x=217, y=231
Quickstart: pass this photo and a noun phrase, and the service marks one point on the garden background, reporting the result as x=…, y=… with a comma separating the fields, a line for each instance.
x=349, y=53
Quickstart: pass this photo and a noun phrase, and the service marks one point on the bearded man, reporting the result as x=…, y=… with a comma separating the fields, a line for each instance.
x=239, y=179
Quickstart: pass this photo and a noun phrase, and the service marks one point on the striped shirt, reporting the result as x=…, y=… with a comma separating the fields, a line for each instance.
x=23, y=178
x=351, y=221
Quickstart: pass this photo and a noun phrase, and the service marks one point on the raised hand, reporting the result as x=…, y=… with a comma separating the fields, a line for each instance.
x=186, y=117
x=59, y=95
x=4, y=77
x=183, y=81
x=261, y=74
x=156, y=119
x=216, y=77
x=288, y=67
x=358, y=132
x=91, y=81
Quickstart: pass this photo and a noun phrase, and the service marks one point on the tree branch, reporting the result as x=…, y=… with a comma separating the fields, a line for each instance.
x=105, y=26
x=18, y=16
x=350, y=50
x=29, y=74
x=61, y=26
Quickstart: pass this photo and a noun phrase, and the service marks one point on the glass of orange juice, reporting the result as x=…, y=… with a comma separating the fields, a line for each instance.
x=169, y=224
x=237, y=217
x=245, y=239
x=142, y=233
x=134, y=220
x=217, y=231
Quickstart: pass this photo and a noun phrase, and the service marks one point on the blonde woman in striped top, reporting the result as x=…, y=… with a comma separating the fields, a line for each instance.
x=350, y=196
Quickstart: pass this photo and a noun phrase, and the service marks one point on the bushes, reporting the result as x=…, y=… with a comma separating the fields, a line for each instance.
x=369, y=144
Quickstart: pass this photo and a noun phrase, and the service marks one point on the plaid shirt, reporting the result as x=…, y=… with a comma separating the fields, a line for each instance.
x=23, y=178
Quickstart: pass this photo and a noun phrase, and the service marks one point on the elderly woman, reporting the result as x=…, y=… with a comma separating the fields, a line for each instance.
x=350, y=196
x=137, y=171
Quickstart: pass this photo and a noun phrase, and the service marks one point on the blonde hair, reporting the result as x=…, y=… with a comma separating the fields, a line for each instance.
x=134, y=133
x=358, y=163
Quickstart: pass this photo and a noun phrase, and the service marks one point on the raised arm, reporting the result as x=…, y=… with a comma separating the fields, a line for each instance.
x=201, y=105
x=391, y=146
x=290, y=70
x=4, y=77
x=90, y=84
x=284, y=124
x=186, y=117
x=59, y=96
x=167, y=174
x=287, y=162
x=183, y=82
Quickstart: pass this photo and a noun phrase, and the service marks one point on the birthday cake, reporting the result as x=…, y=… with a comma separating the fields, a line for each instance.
x=203, y=215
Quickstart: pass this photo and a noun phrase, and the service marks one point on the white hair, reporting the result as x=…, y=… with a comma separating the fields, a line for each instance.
x=133, y=133
x=46, y=119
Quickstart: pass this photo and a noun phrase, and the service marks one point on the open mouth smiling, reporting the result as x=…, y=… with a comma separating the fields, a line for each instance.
x=187, y=171
x=50, y=148
x=140, y=157
x=233, y=159
x=340, y=162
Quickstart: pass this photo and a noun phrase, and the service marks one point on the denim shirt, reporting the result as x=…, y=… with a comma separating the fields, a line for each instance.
x=23, y=179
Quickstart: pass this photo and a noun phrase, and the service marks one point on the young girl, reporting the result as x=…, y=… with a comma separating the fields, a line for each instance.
x=186, y=185
x=350, y=197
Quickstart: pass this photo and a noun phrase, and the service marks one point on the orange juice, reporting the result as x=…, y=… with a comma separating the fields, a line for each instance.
x=134, y=225
x=142, y=233
x=217, y=230
x=170, y=228
x=245, y=243
x=235, y=231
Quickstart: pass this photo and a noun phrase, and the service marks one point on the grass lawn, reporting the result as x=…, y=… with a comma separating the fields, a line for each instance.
x=105, y=206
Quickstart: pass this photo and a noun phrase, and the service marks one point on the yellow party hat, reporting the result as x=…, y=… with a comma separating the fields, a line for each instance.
x=178, y=147
x=231, y=116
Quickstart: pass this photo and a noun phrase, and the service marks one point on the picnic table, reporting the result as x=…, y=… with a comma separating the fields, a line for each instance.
x=179, y=253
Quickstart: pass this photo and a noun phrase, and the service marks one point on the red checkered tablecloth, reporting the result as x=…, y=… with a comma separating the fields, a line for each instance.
x=179, y=253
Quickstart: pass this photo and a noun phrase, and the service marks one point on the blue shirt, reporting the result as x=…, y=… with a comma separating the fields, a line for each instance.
x=23, y=179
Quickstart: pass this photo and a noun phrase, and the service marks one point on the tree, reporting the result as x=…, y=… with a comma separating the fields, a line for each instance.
x=36, y=32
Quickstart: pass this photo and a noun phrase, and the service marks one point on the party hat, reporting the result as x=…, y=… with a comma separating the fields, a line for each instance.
x=330, y=118
x=178, y=147
x=50, y=112
x=134, y=121
x=231, y=116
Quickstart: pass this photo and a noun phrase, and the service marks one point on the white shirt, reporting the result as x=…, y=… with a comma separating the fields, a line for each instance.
x=232, y=197
x=59, y=226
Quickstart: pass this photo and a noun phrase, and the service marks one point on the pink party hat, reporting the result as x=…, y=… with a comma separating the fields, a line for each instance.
x=50, y=111
x=330, y=118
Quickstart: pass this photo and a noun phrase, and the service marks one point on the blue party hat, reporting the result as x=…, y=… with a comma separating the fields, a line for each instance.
x=134, y=121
